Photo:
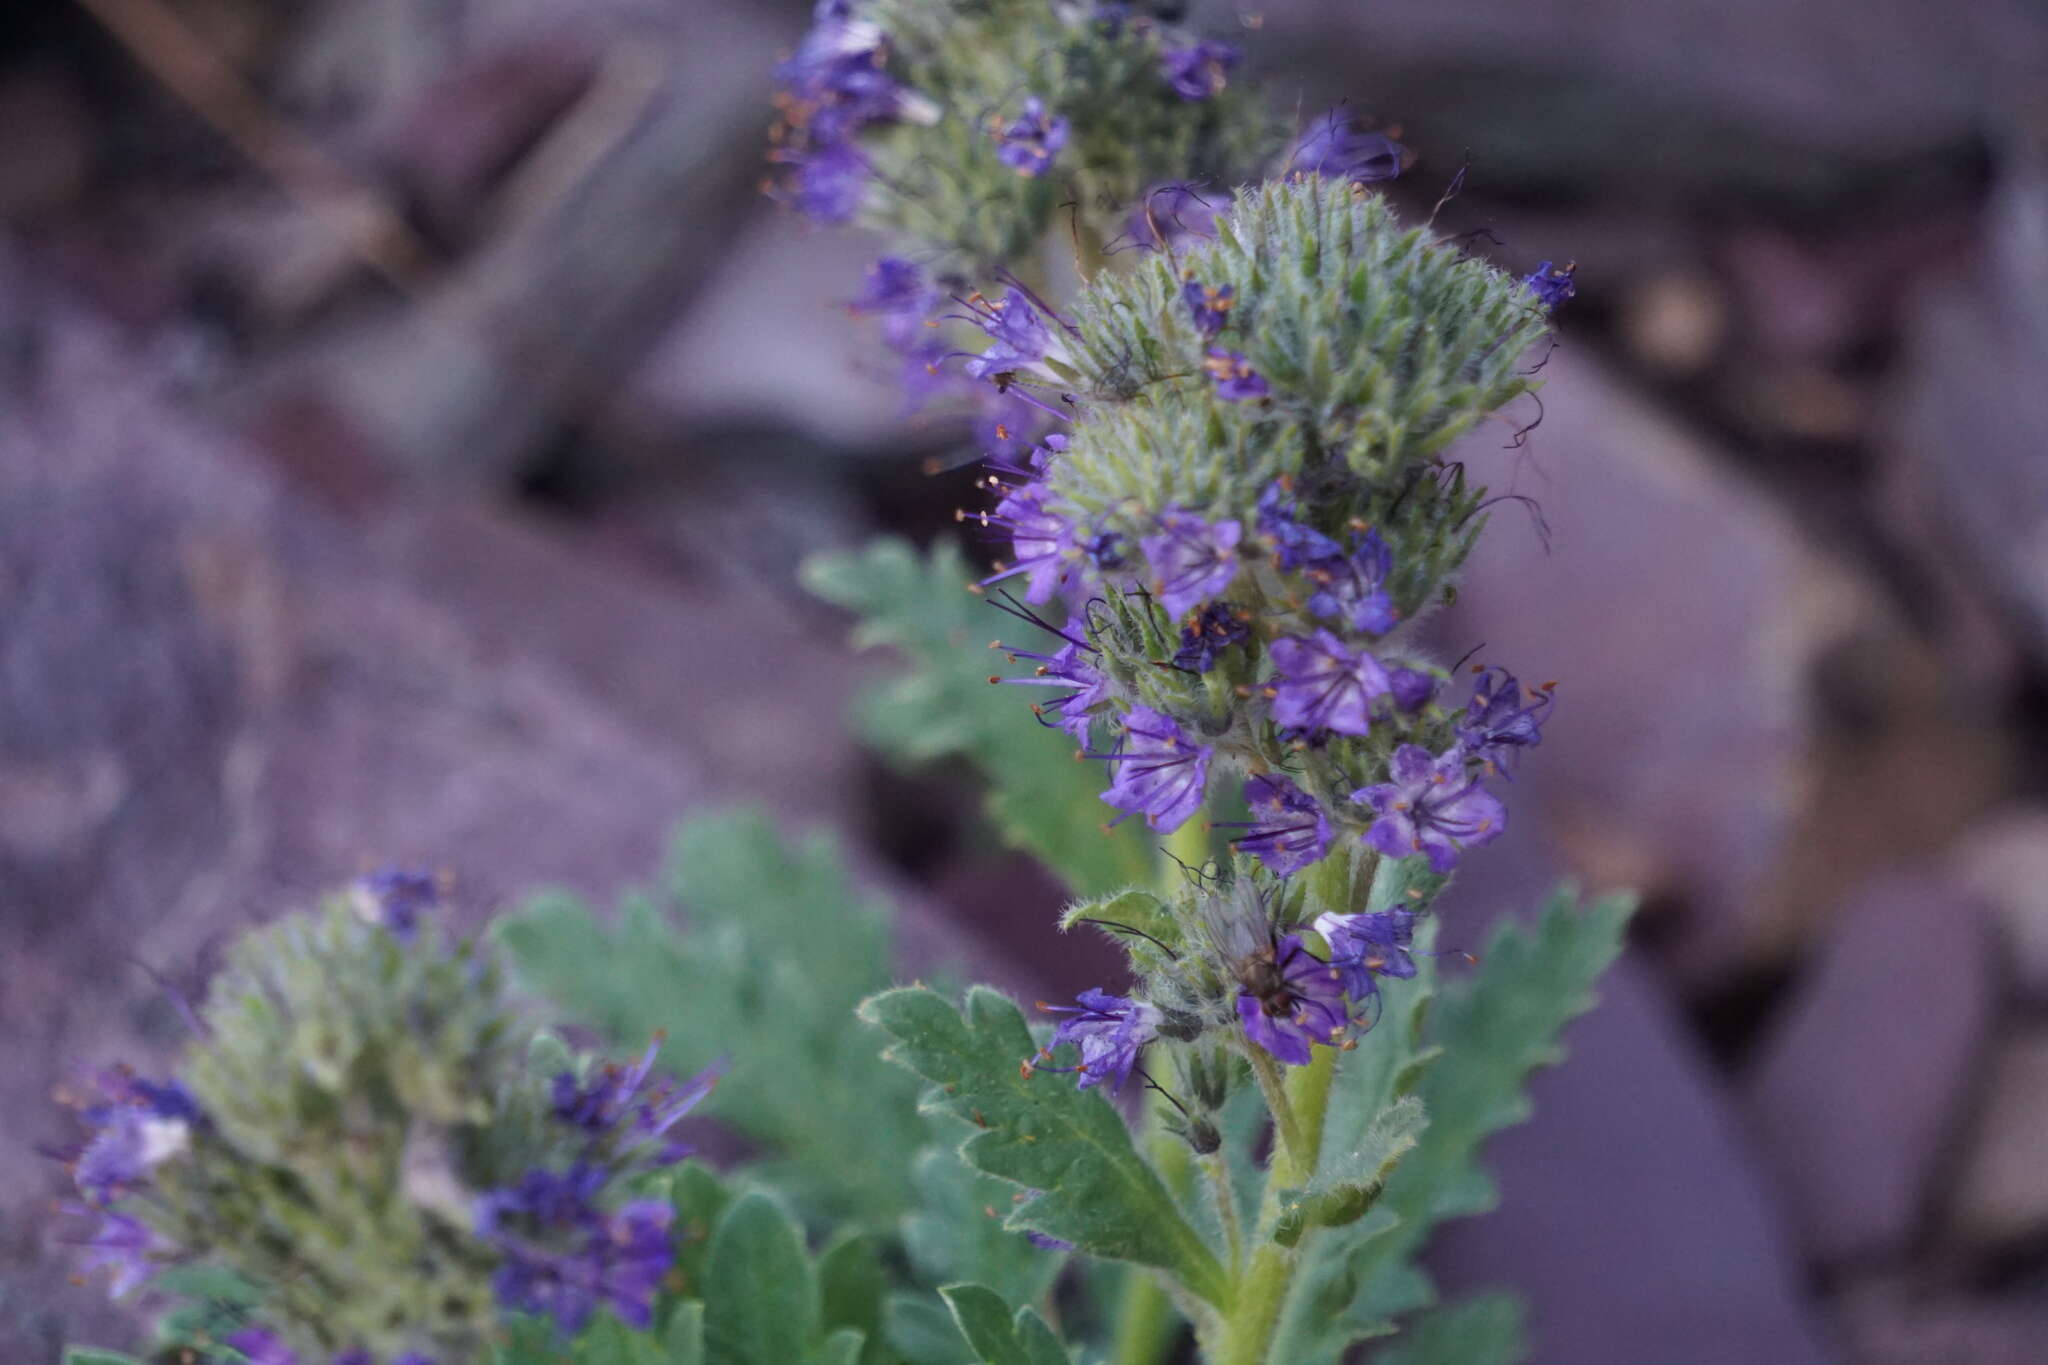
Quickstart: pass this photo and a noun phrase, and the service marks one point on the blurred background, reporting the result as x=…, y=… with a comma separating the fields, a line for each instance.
x=412, y=415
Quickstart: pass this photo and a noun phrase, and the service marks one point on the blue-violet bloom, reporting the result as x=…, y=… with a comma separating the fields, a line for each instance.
x=1431, y=806
x=1042, y=543
x=1325, y=685
x=1200, y=70
x=1208, y=305
x=1216, y=627
x=1288, y=830
x=1029, y=143
x=396, y=897
x=1299, y=1002
x=1365, y=946
x=1193, y=561
x=1159, y=772
x=1502, y=720
x=1552, y=287
x=1236, y=380
x=1174, y=213
x=1337, y=148
x=1110, y=1031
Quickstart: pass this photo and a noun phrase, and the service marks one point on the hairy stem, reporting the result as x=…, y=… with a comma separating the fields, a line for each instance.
x=1304, y=1099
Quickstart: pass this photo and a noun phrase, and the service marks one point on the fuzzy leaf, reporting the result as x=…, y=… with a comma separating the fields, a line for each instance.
x=923, y=1332
x=777, y=950
x=1349, y=1179
x=843, y=1347
x=943, y=705
x=684, y=1336
x=1044, y=1133
x=957, y=1233
x=760, y=1295
x=998, y=1336
x=1480, y=1331
x=852, y=1288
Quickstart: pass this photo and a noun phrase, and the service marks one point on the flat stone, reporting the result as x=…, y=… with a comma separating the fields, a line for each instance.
x=2001, y=1197
x=1864, y=1078
x=1632, y=1216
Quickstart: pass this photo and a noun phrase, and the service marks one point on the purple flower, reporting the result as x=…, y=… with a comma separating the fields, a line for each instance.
x=1208, y=305
x=613, y=1107
x=1351, y=588
x=1295, y=543
x=1432, y=806
x=1337, y=148
x=1501, y=720
x=1367, y=945
x=1028, y=144
x=1323, y=685
x=1235, y=378
x=1192, y=560
x=1011, y=432
x=1215, y=628
x=831, y=181
x=1199, y=71
x=897, y=292
x=1290, y=1000
x=122, y=1246
x=1159, y=772
x=1552, y=288
x=1073, y=668
x=564, y=1256
x=260, y=1346
x=1288, y=830
x=140, y=1125
x=1412, y=688
x=1172, y=214
x=1018, y=335
x=1109, y=1030
x=1042, y=542
x=396, y=897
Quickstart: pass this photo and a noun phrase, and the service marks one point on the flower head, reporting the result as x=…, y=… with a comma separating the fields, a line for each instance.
x=1337, y=148
x=1110, y=1031
x=1295, y=543
x=396, y=897
x=1193, y=561
x=1366, y=946
x=1159, y=772
x=1208, y=305
x=896, y=292
x=1199, y=70
x=124, y=1247
x=1216, y=627
x=1029, y=143
x=1412, y=689
x=1325, y=685
x=1502, y=720
x=1289, y=999
x=1351, y=588
x=1072, y=668
x=1288, y=830
x=1236, y=380
x=1431, y=806
x=1020, y=337
x=1553, y=288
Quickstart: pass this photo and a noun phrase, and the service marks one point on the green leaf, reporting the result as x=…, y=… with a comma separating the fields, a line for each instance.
x=88, y=1355
x=943, y=706
x=1480, y=1331
x=1042, y=1132
x=923, y=1332
x=851, y=1289
x=998, y=1336
x=843, y=1347
x=777, y=951
x=683, y=1337
x=1349, y=1179
x=700, y=1201
x=760, y=1297
x=957, y=1231
x=607, y=1341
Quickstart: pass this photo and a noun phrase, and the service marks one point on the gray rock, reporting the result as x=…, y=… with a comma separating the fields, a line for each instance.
x=1864, y=1078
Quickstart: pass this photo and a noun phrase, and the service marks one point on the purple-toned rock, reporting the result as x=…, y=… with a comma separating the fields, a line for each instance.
x=2001, y=1194
x=1632, y=1216
x=1863, y=1079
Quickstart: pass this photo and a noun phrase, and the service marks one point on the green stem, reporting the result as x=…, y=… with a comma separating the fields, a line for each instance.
x=1145, y=1320
x=1301, y=1100
x=1267, y=1073
x=1226, y=1209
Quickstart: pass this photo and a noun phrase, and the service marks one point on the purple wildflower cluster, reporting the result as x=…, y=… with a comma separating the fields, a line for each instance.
x=1029, y=143
x=135, y=1126
x=1336, y=148
x=396, y=897
x=1553, y=287
x=1291, y=998
x=564, y=1252
x=1109, y=1030
x=834, y=86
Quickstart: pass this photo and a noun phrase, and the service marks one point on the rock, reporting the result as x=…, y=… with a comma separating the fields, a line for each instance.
x=1863, y=1080
x=1679, y=612
x=2004, y=862
x=2001, y=1196
x=1631, y=1167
